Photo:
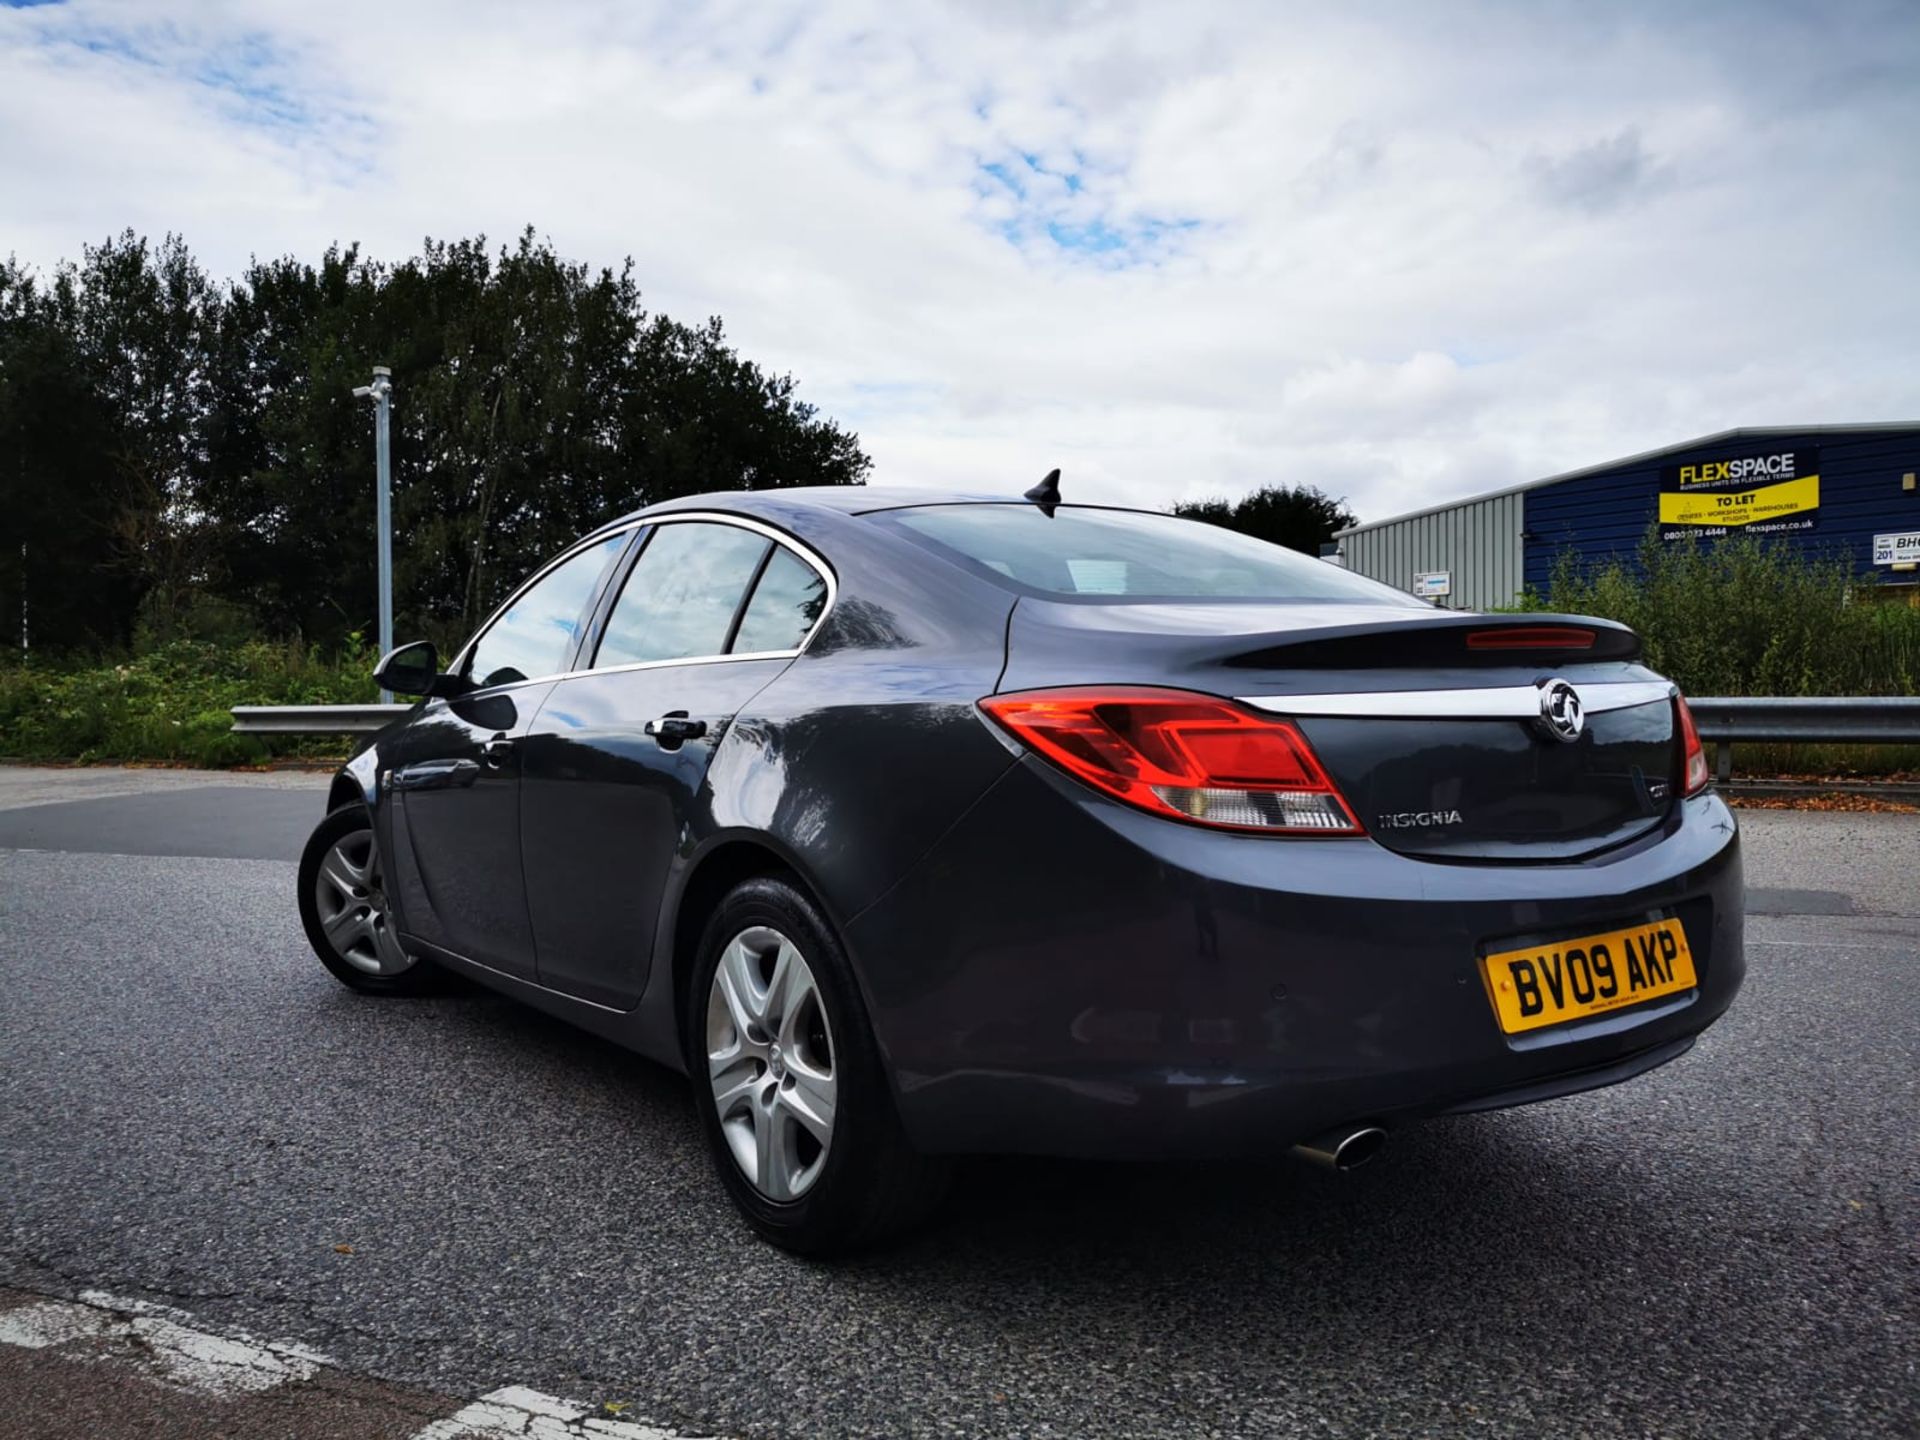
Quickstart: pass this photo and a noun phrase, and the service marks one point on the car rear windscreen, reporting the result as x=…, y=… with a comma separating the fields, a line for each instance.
x=1087, y=553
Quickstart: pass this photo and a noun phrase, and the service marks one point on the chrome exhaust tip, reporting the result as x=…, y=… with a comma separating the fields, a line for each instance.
x=1346, y=1148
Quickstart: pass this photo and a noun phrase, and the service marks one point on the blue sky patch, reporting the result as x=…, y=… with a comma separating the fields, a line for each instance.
x=1096, y=237
x=250, y=79
x=1006, y=175
x=1057, y=211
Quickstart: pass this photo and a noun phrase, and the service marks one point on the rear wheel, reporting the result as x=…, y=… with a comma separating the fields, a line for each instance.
x=791, y=1089
x=343, y=905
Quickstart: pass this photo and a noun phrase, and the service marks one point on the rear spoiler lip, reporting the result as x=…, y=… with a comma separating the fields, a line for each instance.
x=1258, y=650
x=1493, y=702
x=1397, y=643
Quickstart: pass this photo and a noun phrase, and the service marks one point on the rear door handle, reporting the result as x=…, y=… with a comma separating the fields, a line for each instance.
x=674, y=729
x=496, y=752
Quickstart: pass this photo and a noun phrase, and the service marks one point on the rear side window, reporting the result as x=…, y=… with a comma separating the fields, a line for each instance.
x=535, y=634
x=1083, y=553
x=682, y=594
x=785, y=604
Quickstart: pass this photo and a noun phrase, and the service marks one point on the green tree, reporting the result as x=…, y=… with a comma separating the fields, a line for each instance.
x=174, y=451
x=101, y=385
x=534, y=398
x=1299, y=517
x=141, y=315
x=59, y=485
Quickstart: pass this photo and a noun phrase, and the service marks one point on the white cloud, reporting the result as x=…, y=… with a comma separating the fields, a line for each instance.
x=1405, y=253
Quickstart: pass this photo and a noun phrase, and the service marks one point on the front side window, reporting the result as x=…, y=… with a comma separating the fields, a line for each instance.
x=1086, y=553
x=681, y=597
x=535, y=635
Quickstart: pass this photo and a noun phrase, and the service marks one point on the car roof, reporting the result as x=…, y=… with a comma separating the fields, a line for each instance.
x=772, y=503
x=847, y=499
x=784, y=505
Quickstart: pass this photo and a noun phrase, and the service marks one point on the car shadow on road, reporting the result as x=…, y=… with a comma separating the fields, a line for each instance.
x=1485, y=1209
x=1613, y=1250
x=1484, y=1243
x=1468, y=1197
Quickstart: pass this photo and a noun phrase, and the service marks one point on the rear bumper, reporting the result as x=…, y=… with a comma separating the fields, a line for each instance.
x=1062, y=975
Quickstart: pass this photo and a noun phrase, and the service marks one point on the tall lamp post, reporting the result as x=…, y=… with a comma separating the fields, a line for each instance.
x=381, y=393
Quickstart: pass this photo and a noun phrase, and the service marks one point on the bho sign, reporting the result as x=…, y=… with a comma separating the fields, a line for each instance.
x=1897, y=549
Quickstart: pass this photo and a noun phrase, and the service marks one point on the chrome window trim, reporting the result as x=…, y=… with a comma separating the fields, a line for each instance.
x=1501, y=702
x=779, y=537
x=465, y=654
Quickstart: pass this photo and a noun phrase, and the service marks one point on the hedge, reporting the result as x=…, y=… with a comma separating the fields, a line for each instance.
x=171, y=704
x=1743, y=617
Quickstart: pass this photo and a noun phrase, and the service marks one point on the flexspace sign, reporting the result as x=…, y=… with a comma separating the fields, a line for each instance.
x=1898, y=549
x=1764, y=493
x=1754, y=467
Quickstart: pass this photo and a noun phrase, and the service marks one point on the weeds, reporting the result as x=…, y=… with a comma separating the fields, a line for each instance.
x=171, y=704
x=1746, y=618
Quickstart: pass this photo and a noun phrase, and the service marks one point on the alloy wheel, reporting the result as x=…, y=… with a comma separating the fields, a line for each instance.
x=770, y=1060
x=350, y=898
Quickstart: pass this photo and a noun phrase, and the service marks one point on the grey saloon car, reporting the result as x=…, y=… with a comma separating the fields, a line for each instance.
x=918, y=825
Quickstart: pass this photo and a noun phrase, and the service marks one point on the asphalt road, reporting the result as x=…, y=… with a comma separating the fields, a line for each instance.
x=193, y=1113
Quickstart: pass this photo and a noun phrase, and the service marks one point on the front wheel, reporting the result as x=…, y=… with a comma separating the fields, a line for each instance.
x=792, y=1092
x=343, y=905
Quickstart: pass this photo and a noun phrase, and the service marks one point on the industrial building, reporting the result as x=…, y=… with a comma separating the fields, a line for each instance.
x=1828, y=489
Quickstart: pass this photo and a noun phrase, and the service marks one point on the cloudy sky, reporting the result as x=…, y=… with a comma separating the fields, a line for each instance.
x=1403, y=252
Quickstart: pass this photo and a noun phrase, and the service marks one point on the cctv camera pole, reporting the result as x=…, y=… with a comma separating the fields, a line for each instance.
x=381, y=391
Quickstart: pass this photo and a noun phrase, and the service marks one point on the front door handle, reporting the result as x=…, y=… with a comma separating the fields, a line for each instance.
x=674, y=729
x=496, y=752
x=436, y=775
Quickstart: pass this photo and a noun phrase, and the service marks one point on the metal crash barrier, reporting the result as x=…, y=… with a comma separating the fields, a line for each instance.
x=1724, y=720
x=314, y=719
x=1804, y=720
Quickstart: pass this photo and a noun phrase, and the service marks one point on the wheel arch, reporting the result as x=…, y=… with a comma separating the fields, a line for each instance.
x=358, y=779
x=715, y=871
x=344, y=791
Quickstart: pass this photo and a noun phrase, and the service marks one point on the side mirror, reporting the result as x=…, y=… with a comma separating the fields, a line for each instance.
x=409, y=670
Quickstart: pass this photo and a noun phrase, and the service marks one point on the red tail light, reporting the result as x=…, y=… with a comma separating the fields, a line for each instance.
x=1175, y=753
x=1693, y=775
x=1531, y=637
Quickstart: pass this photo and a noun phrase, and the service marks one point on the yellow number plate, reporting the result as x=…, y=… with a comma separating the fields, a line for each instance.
x=1569, y=979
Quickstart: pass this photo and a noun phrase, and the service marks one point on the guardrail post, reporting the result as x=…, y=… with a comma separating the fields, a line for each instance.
x=1723, y=761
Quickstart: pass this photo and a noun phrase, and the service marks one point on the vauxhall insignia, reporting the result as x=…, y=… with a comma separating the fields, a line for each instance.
x=1420, y=819
x=1561, y=714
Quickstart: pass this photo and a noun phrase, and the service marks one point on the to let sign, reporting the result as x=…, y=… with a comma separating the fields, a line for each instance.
x=1900, y=549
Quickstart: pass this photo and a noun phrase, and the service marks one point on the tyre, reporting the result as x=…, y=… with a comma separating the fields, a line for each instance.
x=793, y=1096
x=343, y=906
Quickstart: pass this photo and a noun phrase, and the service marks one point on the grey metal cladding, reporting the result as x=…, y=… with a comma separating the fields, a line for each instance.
x=1477, y=542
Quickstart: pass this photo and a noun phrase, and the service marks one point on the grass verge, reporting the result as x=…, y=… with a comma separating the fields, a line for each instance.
x=171, y=705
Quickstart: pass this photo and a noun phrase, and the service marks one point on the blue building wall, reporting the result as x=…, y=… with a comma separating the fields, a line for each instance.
x=1605, y=512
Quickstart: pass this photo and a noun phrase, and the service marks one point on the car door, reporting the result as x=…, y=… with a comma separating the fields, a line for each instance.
x=710, y=611
x=455, y=769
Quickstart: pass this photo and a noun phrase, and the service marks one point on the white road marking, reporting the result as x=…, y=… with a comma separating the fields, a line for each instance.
x=143, y=855
x=517, y=1413
x=175, y=1349
x=1828, y=945
x=156, y=1339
